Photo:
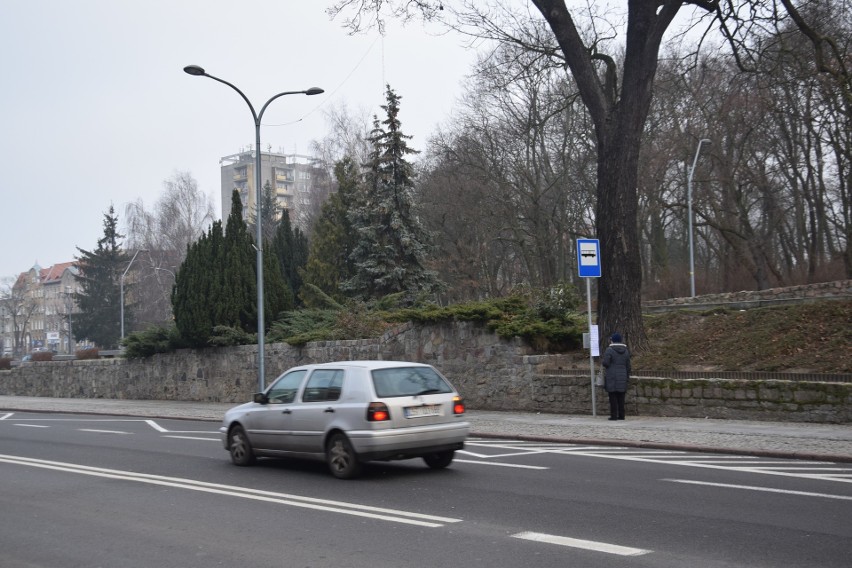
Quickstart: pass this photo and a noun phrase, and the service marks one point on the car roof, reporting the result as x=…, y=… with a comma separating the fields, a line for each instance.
x=369, y=365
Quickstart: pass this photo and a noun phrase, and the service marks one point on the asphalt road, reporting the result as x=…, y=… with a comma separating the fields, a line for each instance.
x=86, y=491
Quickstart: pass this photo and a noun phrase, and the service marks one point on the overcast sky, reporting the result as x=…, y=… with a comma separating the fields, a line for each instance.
x=95, y=109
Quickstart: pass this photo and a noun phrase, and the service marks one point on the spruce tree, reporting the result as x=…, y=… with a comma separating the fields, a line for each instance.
x=217, y=282
x=290, y=246
x=332, y=240
x=99, y=298
x=197, y=294
x=391, y=249
x=270, y=210
x=277, y=294
x=238, y=306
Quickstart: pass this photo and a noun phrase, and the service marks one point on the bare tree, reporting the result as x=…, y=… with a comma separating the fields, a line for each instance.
x=616, y=98
x=17, y=305
x=761, y=33
x=347, y=138
x=516, y=154
x=179, y=217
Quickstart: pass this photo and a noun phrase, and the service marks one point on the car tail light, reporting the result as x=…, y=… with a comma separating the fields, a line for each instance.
x=458, y=405
x=378, y=412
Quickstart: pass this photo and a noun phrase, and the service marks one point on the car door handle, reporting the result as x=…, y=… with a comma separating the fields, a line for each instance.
x=329, y=409
x=288, y=411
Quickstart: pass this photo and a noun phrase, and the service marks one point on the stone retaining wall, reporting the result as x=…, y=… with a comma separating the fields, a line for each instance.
x=491, y=373
x=838, y=290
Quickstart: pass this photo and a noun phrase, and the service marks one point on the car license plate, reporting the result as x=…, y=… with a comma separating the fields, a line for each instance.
x=425, y=410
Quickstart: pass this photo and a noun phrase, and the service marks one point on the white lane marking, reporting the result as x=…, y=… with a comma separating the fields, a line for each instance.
x=102, y=431
x=761, y=462
x=155, y=426
x=152, y=423
x=80, y=419
x=766, y=489
x=519, y=466
x=194, y=438
x=725, y=467
x=32, y=425
x=524, y=452
x=792, y=468
x=584, y=544
x=392, y=515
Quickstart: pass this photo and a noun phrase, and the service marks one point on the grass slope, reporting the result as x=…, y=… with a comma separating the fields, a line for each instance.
x=812, y=337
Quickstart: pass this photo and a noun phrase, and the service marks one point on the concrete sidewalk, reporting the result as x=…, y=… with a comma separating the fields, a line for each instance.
x=777, y=439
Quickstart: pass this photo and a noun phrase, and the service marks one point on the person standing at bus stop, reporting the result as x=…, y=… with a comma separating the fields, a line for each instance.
x=616, y=362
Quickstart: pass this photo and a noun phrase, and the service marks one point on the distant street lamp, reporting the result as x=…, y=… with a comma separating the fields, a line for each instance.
x=199, y=72
x=166, y=270
x=689, y=206
x=122, y=288
x=69, y=305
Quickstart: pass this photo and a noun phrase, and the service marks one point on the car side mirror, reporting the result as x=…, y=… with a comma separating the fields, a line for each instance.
x=261, y=398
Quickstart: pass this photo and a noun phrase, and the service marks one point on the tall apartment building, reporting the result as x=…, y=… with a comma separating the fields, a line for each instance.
x=290, y=174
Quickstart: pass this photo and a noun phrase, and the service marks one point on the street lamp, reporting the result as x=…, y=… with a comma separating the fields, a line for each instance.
x=69, y=304
x=197, y=71
x=122, y=288
x=689, y=206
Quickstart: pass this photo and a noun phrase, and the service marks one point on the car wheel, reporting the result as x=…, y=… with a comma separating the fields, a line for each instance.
x=439, y=460
x=240, y=447
x=342, y=460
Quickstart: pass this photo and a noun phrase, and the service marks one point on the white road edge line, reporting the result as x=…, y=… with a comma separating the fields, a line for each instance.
x=193, y=438
x=102, y=431
x=766, y=489
x=32, y=425
x=393, y=515
x=584, y=544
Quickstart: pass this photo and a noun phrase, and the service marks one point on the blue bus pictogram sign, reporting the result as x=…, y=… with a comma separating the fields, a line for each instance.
x=589, y=258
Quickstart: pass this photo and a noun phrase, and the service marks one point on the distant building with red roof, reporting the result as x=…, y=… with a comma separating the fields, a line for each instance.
x=36, y=315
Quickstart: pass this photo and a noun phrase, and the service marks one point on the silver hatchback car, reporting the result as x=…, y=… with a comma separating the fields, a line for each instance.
x=351, y=412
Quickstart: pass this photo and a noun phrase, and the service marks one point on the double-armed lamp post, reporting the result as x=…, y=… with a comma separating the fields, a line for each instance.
x=689, y=207
x=121, y=282
x=200, y=72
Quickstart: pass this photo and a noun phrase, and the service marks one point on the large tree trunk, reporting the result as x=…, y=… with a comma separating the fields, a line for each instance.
x=619, y=113
x=619, y=289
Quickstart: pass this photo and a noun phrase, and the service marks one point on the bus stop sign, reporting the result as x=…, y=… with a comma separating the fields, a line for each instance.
x=589, y=258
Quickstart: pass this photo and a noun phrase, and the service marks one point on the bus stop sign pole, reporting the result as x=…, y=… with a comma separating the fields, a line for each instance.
x=588, y=267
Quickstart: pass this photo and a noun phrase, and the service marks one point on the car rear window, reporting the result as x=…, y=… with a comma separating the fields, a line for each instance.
x=408, y=381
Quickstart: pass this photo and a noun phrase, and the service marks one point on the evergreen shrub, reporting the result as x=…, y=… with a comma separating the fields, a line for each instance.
x=155, y=339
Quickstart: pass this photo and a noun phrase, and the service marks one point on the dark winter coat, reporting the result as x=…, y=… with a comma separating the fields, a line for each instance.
x=616, y=361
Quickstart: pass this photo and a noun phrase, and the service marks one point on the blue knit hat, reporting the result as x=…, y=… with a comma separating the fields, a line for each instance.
x=616, y=337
